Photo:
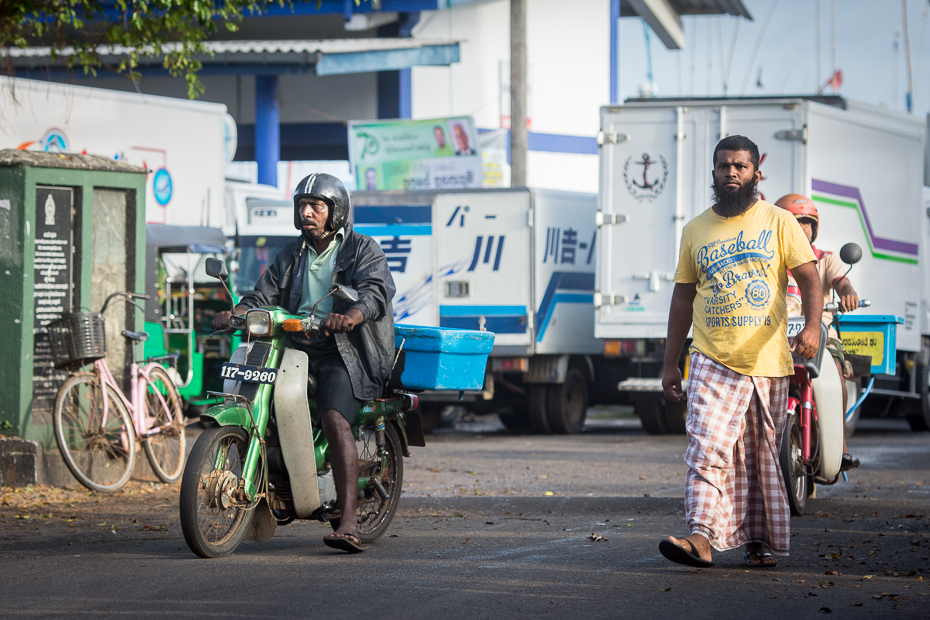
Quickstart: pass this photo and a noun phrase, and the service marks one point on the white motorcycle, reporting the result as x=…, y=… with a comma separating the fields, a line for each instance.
x=812, y=445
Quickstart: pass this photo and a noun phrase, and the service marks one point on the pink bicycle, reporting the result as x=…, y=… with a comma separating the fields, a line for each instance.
x=98, y=429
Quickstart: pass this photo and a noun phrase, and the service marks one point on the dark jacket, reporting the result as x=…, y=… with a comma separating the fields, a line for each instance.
x=367, y=350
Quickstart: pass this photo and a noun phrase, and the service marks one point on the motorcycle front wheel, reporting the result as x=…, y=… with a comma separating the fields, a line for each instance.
x=793, y=471
x=214, y=526
x=375, y=511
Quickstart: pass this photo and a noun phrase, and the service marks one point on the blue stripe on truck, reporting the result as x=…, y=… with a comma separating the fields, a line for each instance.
x=393, y=215
x=481, y=310
x=395, y=230
x=498, y=319
x=562, y=281
x=496, y=324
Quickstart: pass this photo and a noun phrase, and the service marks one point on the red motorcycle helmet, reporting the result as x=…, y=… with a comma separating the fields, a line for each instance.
x=802, y=207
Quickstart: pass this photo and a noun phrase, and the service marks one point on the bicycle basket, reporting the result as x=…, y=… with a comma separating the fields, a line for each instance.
x=77, y=337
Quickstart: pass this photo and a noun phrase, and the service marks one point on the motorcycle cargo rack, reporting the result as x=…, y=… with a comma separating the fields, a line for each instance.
x=77, y=338
x=874, y=335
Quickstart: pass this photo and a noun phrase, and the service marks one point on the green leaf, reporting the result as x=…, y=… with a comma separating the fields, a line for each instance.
x=75, y=28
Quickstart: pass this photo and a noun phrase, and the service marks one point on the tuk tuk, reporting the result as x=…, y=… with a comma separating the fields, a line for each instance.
x=183, y=300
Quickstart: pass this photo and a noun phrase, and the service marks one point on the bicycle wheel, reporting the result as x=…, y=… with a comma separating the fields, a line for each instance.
x=213, y=524
x=165, y=449
x=375, y=511
x=99, y=450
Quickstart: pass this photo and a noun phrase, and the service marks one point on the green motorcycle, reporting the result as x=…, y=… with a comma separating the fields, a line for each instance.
x=261, y=463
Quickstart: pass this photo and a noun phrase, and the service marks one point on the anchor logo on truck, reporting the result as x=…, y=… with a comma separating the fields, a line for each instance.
x=645, y=189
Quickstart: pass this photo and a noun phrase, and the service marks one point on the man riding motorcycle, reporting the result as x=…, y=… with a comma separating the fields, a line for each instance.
x=832, y=275
x=352, y=358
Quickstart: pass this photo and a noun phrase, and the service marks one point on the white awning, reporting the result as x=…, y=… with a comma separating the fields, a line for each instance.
x=325, y=57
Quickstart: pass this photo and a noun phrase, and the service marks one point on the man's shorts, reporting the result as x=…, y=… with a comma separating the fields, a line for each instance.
x=333, y=385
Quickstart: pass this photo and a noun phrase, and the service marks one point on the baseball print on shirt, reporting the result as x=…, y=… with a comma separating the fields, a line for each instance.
x=740, y=267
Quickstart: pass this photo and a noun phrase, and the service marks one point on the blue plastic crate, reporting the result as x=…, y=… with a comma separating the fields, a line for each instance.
x=872, y=334
x=442, y=359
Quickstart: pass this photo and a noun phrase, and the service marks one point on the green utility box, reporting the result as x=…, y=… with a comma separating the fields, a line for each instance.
x=72, y=231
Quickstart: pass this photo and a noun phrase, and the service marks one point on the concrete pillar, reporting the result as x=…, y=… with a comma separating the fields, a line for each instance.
x=267, y=129
x=394, y=94
x=395, y=87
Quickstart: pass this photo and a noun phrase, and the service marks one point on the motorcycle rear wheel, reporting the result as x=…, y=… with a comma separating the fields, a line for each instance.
x=792, y=466
x=213, y=532
x=375, y=513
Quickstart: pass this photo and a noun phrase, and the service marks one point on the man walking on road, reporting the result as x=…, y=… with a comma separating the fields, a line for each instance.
x=731, y=283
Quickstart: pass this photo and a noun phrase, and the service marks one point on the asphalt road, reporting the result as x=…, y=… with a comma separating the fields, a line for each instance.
x=492, y=525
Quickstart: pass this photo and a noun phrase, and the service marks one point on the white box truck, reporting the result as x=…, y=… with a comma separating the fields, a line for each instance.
x=184, y=144
x=517, y=262
x=864, y=168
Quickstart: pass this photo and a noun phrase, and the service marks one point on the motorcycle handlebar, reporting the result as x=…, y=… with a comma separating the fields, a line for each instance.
x=833, y=307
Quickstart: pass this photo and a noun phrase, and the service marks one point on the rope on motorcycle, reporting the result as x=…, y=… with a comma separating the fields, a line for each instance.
x=397, y=357
x=263, y=482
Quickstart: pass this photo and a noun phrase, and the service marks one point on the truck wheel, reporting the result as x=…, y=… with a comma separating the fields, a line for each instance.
x=429, y=416
x=514, y=419
x=651, y=413
x=675, y=415
x=537, y=409
x=567, y=404
x=919, y=415
x=450, y=415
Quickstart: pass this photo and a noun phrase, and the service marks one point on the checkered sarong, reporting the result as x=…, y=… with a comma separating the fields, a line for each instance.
x=734, y=492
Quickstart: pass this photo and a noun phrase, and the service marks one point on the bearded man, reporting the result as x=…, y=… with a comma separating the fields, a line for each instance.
x=731, y=283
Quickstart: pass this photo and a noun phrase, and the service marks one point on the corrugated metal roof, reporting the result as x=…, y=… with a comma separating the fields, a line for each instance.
x=41, y=159
x=325, y=57
x=697, y=7
x=710, y=7
x=223, y=50
x=171, y=238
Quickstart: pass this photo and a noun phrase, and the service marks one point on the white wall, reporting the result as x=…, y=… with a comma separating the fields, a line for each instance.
x=568, y=57
x=304, y=98
x=568, y=52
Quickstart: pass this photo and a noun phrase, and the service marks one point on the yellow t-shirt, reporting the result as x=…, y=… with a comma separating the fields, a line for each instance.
x=740, y=266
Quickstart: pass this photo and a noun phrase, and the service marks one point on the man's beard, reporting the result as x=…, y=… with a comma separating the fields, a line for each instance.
x=732, y=202
x=313, y=235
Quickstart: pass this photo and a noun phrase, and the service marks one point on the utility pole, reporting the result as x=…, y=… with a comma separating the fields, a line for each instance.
x=909, y=96
x=897, y=61
x=833, y=75
x=817, y=39
x=518, y=136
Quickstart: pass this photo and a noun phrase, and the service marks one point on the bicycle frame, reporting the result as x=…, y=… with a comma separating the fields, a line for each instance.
x=137, y=393
x=808, y=409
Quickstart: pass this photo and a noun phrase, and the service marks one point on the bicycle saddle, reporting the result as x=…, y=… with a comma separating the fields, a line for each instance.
x=137, y=336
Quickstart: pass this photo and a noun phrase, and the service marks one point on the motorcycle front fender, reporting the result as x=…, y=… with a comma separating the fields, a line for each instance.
x=227, y=415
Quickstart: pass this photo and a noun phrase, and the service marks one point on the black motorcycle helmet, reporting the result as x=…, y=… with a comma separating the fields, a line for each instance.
x=329, y=189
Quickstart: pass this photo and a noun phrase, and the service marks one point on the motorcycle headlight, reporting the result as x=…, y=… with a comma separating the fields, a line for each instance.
x=259, y=322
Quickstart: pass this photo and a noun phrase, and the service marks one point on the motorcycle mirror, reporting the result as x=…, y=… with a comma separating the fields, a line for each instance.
x=850, y=254
x=345, y=293
x=216, y=269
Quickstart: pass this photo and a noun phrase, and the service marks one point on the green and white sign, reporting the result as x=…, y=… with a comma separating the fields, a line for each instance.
x=426, y=154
